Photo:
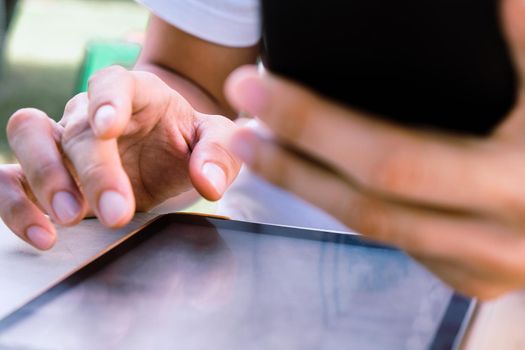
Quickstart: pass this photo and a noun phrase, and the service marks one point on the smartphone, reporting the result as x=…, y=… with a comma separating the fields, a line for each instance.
x=433, y=64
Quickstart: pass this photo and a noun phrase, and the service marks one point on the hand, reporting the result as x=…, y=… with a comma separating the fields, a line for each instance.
x=457, y=204
x=130, y=142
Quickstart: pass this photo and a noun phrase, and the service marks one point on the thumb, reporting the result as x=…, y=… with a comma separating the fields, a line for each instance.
x=213, y=167
x=513, y=13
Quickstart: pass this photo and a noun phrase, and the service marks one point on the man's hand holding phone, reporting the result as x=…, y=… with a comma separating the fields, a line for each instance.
x=455, y=203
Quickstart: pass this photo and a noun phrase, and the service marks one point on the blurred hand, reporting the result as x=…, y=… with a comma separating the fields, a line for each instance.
x=457, y=204
x=130, y=143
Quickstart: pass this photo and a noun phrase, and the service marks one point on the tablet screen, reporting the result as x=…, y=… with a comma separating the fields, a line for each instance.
x=193, y=283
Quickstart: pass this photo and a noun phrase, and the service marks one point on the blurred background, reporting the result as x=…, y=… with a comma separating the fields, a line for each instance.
x=52, y=46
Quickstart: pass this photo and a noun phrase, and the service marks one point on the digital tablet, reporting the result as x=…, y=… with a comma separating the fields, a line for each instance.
x=189, y=282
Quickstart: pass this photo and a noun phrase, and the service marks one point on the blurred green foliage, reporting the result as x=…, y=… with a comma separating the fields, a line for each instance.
x=46, y=46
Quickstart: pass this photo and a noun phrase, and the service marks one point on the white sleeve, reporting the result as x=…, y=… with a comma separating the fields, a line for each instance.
x=226, y=22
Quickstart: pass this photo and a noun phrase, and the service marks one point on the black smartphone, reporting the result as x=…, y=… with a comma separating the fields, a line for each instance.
x=435, y=64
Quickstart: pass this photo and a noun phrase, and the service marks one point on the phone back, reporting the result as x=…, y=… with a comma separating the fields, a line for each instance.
x=436, y=64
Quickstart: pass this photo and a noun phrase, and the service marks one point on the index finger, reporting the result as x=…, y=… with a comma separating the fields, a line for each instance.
x=115, y=94
x=399, y=163
x=98, y=167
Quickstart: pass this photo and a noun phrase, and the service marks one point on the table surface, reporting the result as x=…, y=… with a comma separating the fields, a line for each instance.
x=26, y=272
x=497, y=324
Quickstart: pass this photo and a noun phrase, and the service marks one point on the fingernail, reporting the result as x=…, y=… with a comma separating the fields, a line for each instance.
x=113, y=208
x=215, y=176
x=104, y=118
x=251, y=95
x=65, y=206
x=40, y=238
x=260, y=129
x=242, y=149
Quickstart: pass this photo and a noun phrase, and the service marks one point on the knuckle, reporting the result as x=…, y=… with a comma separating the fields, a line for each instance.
x=24, y=118
x=148, y=76
x=92, y=174
x=15, y=207
x=76, y=130
x=148, y=79
x=9, y=182
x=73, y=104
x=393, y=171
x=104, y=73
x=45, y=174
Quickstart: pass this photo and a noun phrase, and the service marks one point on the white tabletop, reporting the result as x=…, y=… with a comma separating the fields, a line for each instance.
x=499, y=324
x=26, y=272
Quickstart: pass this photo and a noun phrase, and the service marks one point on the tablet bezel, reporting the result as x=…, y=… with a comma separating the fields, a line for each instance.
x=449, y=334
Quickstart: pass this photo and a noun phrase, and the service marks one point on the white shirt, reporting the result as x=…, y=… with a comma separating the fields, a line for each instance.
x=226, y=22
x=237, y=23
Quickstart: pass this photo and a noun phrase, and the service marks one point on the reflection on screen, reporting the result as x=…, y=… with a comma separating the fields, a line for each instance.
x=193, y=287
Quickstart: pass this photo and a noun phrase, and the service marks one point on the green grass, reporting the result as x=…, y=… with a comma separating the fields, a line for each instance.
x=46, y=46
x=41, y=86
